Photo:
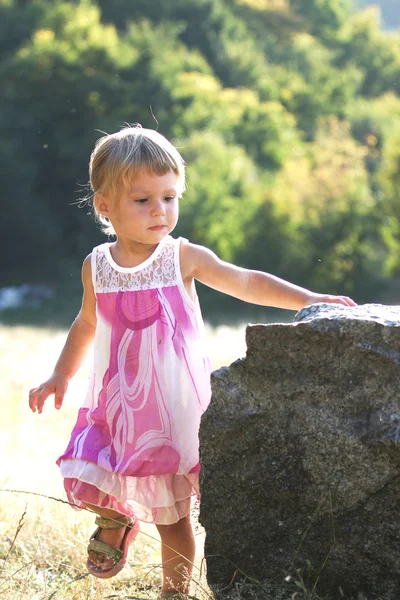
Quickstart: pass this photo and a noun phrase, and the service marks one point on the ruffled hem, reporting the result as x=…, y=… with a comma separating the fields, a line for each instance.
x=158, y=499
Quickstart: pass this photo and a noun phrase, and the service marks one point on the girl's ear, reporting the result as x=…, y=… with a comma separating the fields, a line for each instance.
x=102, y=204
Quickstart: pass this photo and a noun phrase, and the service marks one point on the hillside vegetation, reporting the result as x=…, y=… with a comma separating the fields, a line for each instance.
x=390, y=10
x=286, y=112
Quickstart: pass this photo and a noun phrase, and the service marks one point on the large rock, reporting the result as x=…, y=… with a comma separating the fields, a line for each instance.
x=300, y=453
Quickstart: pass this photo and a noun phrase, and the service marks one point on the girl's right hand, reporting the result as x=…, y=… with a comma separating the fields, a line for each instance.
x=57, y=384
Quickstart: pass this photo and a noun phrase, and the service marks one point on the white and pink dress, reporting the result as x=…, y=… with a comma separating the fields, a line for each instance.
x=135, y=446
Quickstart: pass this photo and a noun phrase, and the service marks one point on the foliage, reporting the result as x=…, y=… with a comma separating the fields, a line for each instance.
x=375, y=53
x=389, y=8
x=223, y=193
x=323, y=17
x=322, y=201
x=287, y=113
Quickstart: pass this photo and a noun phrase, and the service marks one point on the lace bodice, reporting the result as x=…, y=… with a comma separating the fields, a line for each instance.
x=159, y=270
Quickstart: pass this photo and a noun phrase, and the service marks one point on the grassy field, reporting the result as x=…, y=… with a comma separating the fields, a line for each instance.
x=42, y=540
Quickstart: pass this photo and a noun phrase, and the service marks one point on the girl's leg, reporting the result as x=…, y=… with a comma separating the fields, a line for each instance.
x=177, y=551
x=113, y=537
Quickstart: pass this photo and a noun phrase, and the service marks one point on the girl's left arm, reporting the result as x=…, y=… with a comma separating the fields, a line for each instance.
x=255, y=287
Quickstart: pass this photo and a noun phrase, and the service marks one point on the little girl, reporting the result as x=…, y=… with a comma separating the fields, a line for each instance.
x=133, y=453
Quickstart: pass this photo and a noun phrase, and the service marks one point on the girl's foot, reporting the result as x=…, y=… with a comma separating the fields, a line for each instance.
x=112, y=537
x=109, y=545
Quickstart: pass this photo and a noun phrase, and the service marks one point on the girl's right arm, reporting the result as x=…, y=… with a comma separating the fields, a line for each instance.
x=79, y=338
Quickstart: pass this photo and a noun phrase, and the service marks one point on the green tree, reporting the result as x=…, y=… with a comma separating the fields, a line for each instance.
x=375, y=53
x=17, y=21
x=323, y=18
x=223, y=191
x=389, y=178
x=323, y=202
x=57, y=88
x=389, y=8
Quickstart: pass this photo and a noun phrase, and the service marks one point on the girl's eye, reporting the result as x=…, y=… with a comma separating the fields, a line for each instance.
x=169, y=198
x=142, y=200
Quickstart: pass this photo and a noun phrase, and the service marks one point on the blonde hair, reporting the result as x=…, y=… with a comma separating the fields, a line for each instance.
x=119, y=156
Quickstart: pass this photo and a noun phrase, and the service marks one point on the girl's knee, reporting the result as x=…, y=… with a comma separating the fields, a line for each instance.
x=183, y=524
x=187, y=520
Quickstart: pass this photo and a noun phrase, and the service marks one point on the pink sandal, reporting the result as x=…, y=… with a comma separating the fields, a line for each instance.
x=117, y=555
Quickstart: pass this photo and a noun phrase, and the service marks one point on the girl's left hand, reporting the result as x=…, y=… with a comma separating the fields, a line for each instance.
x=343, y=300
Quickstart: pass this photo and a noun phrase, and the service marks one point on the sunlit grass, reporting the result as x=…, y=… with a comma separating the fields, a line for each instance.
x=42, y=540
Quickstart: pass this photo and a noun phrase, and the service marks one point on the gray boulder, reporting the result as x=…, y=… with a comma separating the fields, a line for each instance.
x=300, y=455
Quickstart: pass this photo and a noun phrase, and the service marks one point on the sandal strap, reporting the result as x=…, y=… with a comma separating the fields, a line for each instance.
x=105, y=550
x=104, y=523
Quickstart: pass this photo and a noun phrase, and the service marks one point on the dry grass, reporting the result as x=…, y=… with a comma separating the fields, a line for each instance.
x=42, y=541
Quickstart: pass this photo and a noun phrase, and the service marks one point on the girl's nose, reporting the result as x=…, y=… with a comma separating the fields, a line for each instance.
x=158, y=208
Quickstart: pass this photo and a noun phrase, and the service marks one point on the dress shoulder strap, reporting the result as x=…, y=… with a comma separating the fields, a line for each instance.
x=191, y=303
x=93, y=265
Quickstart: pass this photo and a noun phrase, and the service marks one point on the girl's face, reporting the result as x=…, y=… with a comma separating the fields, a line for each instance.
x=146, y=210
